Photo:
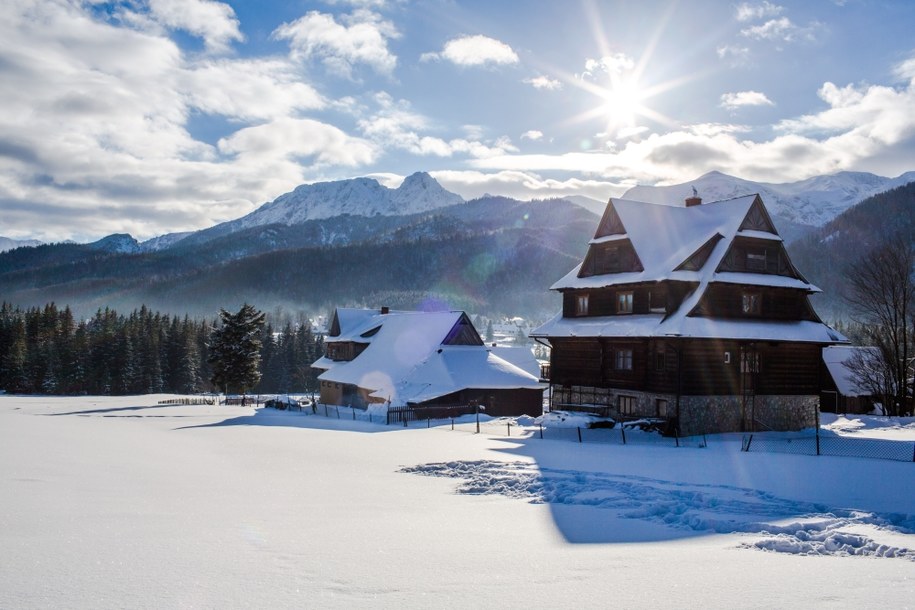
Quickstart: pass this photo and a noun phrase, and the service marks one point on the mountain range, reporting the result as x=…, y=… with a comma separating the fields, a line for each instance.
x=359, y=242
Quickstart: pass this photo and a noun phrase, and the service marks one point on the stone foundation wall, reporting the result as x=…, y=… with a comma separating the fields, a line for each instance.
x=711, y=414
x=700, y=414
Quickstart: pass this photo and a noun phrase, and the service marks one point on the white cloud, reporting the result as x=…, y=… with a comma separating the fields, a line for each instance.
x=860, y=124
x=614, y=65
x=748, y=12
x=95, y=134
x=532, y=134
x=732, y=101
x=736, y=55
x=215, y=22
x=782, y=30
x=524, y=185
x=544, y=82
x=477, y=50
x=905, y=70
x=395, y=125
x=287, y=138
x=248, y=89
x=362, y=39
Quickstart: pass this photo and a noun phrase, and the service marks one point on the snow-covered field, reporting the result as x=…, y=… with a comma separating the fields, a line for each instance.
x=120, y=503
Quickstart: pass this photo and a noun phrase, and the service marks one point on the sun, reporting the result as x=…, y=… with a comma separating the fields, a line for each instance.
x=622, y=103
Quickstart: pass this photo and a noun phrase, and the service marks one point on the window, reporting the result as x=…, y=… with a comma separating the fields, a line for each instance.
x=626, y=405
x=624, y=359
x=661, y=407
x=756, y=260
x=581, y=305
x=749, y=362
x=624, y=302
x=656, y=302
x=751, y=304
x=660, y=363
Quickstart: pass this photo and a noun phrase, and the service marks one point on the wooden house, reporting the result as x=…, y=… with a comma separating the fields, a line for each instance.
x=423, y=359
x=691, y=313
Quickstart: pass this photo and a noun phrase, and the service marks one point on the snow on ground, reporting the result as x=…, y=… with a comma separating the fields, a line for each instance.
x=870, y=426
x=119, y=502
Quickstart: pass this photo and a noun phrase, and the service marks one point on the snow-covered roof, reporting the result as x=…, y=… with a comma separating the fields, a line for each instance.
x=697, y=327
x=664, y=237
x=454, y=368
x=836, y=358
x=406, y=353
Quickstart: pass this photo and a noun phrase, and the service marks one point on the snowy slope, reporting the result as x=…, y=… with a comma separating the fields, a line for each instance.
x=813, y=202
x=117, y=502
x=163, y=242
x=419, y=192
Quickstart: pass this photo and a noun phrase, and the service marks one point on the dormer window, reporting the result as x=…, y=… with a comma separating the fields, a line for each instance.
x=624, y=302
x=581, y=304
x=751, y=304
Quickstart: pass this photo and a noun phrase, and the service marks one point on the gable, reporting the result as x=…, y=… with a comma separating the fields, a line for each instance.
x=758, y=219
x=610, y=223
x=747, y=255
x=610, y=257
x=463, y=333
x=334, y=326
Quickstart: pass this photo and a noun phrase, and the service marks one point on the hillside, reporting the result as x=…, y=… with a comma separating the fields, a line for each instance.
x=491, y=256
x=824, y=255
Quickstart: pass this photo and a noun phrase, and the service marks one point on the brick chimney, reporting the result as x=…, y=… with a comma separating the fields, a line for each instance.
x=694, y=200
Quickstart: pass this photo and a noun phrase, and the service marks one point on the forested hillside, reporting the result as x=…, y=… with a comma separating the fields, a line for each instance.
x=490, y=256
x=824, y=256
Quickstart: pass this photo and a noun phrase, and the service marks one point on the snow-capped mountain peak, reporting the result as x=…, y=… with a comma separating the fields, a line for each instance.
x=419, y=192
x=811, y=202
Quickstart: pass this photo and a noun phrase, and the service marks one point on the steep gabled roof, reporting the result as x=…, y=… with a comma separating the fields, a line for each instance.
x=688, y=244
x=666, y=238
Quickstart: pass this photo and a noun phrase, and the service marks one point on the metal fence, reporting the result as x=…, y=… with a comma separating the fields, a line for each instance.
x=900, y=451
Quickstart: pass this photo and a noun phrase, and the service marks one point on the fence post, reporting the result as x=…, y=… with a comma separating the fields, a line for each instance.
x=354, y=413
x=623, y=432
x=452, y=423
x=509, y=427
x=818, y=440
x=579, y=433
x=428, y=422
x=541, y=431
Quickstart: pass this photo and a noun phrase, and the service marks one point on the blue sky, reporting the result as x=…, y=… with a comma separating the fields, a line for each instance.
x=155, y=116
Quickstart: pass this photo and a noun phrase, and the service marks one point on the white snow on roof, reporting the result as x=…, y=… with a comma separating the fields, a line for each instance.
x=664, y=237
x=837, y=358
x=406, y=355
x=759, y=279
x=450, y=369
x=655, y=326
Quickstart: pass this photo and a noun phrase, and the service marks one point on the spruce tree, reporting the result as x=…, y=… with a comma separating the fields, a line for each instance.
x=234, y=350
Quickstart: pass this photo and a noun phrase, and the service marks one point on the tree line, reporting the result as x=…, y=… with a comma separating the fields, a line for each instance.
x=45, y=350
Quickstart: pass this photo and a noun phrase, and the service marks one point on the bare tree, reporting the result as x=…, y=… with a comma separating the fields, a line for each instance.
x=882, y=298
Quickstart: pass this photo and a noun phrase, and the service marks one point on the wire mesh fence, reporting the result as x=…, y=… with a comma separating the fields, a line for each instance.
x=843, y=446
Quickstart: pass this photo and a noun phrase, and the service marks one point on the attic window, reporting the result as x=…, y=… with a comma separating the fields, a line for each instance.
x=757, y=259
x=581, y=304
x=751, y=304
x=624, y=302
x=371, y=332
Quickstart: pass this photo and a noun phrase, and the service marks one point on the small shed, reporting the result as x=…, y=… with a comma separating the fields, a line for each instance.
x=841, y=392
